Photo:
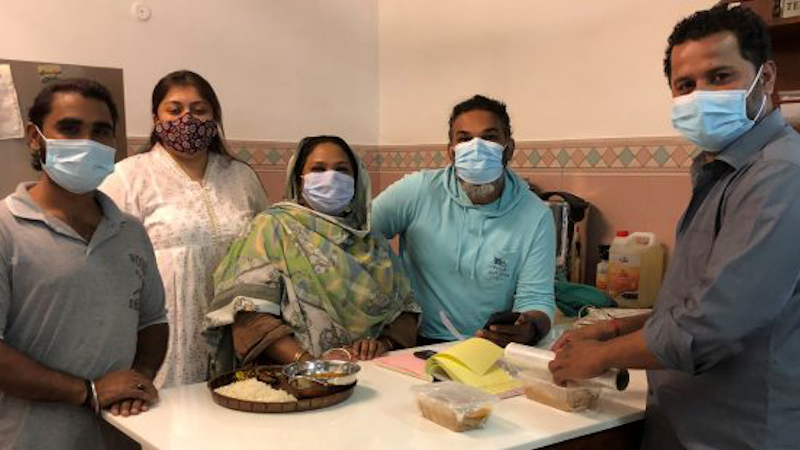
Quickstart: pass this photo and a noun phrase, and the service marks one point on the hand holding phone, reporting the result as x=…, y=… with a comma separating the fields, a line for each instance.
x=505, y=327
x=502, y=318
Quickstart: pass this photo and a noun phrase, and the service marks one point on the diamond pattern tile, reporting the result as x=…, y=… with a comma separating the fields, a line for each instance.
x=257, y=156
x=642, y=156
x=405, y=161
x=678, y=154
x=628, y=154
x=626, y=157
x=244, y=154
x=547, y=158
x=273, y=156
x=368, y=160
x=534, y=157
x=518, y=160
x=562, y=156
x=593, y=157
x=609, y=157
x=427, y=158
x=578, y=158
x=660, y=156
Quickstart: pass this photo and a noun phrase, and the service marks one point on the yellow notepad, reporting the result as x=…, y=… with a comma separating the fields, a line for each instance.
x=474, y=362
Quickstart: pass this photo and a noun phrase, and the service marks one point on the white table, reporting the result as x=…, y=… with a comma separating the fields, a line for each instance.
x=381, y=414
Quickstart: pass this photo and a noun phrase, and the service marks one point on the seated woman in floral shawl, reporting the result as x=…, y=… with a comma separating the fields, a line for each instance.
x=308, y=276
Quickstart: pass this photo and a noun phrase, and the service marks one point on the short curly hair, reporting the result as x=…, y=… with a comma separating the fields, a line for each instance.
x=479, y=102
x=85, y=87
x=750, y=30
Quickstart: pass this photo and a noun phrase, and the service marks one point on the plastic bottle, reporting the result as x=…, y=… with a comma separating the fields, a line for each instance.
x=635, y=269
x=601, y=275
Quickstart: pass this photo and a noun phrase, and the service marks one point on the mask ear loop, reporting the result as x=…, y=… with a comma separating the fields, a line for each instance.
x=763, y=98
x=761, y=109
x=42, y=146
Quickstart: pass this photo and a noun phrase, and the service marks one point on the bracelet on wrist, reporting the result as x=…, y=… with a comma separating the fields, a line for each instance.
x=92, y=401
x=350, y=356
x=298, y=354
x=87, y=401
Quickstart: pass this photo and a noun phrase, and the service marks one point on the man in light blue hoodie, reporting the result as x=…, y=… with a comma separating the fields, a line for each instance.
x=473, y=237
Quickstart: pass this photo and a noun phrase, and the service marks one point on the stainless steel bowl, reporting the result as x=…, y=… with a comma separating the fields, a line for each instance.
x=330, y=373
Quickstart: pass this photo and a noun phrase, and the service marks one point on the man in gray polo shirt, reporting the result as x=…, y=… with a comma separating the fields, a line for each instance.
x=723, y=340
x=82, y=320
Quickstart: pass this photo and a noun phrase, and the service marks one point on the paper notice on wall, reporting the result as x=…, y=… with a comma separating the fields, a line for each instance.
x=10, y=114
x=790, y=8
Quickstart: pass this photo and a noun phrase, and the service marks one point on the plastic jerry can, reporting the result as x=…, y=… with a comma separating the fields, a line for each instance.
x=601, y=275
x=635, y=269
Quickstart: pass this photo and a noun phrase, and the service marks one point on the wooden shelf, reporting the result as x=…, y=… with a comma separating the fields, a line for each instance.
x=785, y=34
x=766, y=9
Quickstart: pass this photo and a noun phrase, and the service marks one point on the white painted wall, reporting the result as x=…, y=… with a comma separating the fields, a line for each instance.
x=282, y=68
x=568, y=70
x=375, y=71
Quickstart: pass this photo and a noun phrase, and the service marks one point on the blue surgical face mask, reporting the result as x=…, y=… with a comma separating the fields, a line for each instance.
x=328, y=192
x=77, y=165
x=714, y=119
x=479, y=161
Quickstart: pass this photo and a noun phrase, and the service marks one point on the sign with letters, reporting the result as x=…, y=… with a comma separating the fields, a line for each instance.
x=790, y=8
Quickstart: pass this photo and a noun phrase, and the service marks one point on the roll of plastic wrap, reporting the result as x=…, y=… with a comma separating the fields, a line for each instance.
x=535, y=361
x=530, y=359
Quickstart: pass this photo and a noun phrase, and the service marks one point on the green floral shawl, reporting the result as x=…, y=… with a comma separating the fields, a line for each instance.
x=329, y=278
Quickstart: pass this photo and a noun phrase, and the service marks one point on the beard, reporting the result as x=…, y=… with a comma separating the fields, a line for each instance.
x=478, y=191
x=481, y=194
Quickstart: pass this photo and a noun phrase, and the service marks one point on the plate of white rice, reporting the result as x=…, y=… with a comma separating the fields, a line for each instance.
x=254, y=390
x=264, y=389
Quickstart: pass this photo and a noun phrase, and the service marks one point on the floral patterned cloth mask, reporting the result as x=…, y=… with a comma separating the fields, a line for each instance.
x=187, y=134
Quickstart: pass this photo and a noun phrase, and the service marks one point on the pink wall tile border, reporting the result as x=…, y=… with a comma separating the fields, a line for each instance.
x=638, y=184
x=648, y=154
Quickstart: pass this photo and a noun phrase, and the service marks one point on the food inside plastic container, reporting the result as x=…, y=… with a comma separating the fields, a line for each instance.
x=570, y=398
x=454, y=405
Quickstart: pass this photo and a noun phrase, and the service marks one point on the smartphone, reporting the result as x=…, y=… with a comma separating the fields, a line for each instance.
x=424, y=354
x=502, y=318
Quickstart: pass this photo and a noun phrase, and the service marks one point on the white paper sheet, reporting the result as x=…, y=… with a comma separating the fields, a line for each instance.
x=10, y=116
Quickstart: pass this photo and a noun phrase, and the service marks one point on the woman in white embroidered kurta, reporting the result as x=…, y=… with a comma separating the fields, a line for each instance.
x=191, y=216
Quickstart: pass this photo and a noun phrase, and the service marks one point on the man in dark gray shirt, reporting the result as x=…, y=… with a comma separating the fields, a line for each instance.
x=82, y=319
x=722, y=344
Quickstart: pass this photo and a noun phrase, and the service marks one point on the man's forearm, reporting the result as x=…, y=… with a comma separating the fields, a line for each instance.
x=630, y=352
x=151, y=347
x=631, y=324
x=402, y=333
x=23, y=377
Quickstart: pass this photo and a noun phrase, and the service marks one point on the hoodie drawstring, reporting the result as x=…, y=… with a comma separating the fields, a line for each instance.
x=478, y=250
x=461, y=239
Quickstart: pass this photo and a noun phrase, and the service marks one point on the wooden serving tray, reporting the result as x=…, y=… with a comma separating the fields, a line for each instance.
x=334, y=396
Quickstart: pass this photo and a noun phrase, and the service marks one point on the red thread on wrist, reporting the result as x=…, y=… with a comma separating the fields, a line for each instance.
x=614, y=327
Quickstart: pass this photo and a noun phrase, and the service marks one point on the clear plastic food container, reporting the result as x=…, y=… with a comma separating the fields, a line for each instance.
x=571, y=398
x=454, y=405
